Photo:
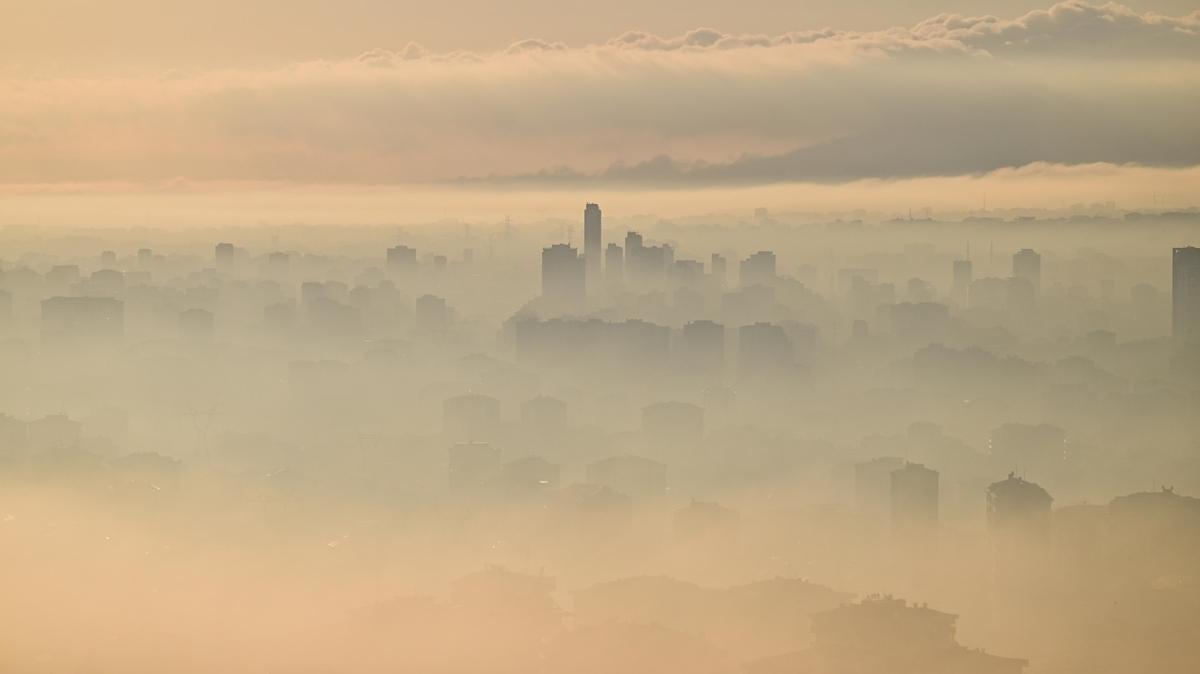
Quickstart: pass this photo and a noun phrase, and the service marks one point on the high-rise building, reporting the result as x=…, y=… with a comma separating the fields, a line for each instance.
x=1027, y=265
x=646, y=266
x=764, y=351
x=592, y=241
x=718, y=269
x=964, y=273
x=633, y=241
x=401, y=260
x=758, y=269
x=1017, y=506
x=873, y=488
x=614, y=265
x=914, y=500
x=701, y=349
x=1018, y=514
x=1185, y=294
x=223, y=254
x=563, y=275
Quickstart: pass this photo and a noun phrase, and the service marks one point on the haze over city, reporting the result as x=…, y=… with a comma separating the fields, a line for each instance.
x=701, y=337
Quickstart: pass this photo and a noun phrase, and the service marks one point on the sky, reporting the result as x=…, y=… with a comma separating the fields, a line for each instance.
x=493, y=100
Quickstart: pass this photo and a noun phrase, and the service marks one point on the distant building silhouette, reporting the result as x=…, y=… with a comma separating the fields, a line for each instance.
x=764, y=351
x=614, y=266
x=544, y=414
x=563, y=276
x=223, y=255
x=882, y=634
x=592, y=245
x=700, y=349
x=914, y=501
x=1027, y=265
x=471, y=416
x=673, y=422
x=719, y=269
x=1185, y=295
x=873, y=488
x=758, y=269
x=402, y=260
x=82, y=320
x=634, y=476
x=962, y=277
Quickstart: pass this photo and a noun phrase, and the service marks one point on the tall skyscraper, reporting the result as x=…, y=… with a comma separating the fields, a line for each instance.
x=592, y=241
x=1185, y=294
x=1027, y=265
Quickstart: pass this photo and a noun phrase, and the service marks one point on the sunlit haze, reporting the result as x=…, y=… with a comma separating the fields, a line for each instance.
x=562, y=337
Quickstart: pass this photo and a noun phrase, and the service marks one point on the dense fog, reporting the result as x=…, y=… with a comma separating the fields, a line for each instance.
x=751, y=442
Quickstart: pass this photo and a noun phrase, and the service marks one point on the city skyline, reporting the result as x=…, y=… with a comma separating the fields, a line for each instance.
x=576, y=337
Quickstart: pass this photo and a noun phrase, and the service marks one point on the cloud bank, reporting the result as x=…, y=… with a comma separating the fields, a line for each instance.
x=953, y=95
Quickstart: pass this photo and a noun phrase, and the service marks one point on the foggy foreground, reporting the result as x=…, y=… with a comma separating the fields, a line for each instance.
x=762, y=444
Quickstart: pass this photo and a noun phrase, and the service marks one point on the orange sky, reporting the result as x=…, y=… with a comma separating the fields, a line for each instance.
x=764, y=104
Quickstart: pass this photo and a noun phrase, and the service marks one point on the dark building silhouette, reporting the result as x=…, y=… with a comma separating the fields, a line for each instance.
x=1027, y=265
x=914, y=501
x=1017, y=506
x=402, y=260
x=1019, y=523
x=223, y=255
x=279, y=264
x=563, y=277
x=873, y=488
x=592, y=245
x=764, y=351
x=1185, y=294
x=961, y=281
x=701, y=349
x=758, y=269
x=614, y=265
x=1155, y=535
x=433, y=316
x=882, y=634
x=687, y=273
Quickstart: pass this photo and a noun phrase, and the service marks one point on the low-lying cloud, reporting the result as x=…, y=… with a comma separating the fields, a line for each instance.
x=952, y=95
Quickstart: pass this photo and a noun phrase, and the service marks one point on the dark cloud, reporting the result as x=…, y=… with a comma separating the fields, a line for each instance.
x=953, y=95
